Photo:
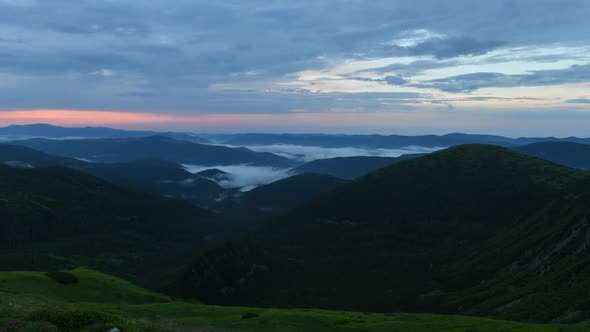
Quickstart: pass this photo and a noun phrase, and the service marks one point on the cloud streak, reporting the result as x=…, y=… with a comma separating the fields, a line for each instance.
x=475, y=81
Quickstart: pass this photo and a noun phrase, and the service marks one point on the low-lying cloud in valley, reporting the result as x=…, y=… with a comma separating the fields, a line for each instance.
x=309, y=153
x=245, y=177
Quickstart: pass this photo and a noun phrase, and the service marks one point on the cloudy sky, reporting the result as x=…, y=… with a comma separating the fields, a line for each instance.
x=515, y=67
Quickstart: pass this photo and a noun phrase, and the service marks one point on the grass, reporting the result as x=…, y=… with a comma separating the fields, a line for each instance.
x=31, y=301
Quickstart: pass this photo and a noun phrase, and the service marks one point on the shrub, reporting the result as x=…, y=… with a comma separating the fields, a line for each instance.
x=38, y=327
x=129, y=326
x=248, y=315
x=63, y=277
x=71, y=320
x=10, y=324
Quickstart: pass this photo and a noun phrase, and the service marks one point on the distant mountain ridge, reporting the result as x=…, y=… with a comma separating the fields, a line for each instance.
x=575, y=155
x=111, y=150
x=42, y=130
x=382, y=141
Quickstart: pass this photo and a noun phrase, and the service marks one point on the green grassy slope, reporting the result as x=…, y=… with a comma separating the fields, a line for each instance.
x=98, y=302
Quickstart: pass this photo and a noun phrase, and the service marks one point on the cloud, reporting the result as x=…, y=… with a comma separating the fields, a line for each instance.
x=578, y=101
x=245, y=176
x=413, y=68
x=396, y=80
x=475, y=81
x=199, y=56
x=310, y=153
x=248, y=177
x=441, y=46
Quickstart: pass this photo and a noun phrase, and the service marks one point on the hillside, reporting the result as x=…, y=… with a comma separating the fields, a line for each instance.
x=349, y=167
x=20, y=156
x=158, y=177
x=158, y=147
x=33, y=301
x=575, y=155
x=57, y=217
x=422, y=235
x=287, y=193
x=148, y=175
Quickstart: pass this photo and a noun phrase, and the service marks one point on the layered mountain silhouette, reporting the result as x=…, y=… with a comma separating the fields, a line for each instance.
x=147, y=175
x=50, y=131
x=473, y=229
x=575, y=155
x=130, y=149
x=383, y=141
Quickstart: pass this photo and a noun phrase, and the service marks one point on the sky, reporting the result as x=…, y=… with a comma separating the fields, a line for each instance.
x=516, y=68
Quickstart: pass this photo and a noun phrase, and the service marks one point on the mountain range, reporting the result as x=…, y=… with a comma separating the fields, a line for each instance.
x=381, y=141
x=111, y=150
x=474, y=229
x=41, y=130
x=148, y=175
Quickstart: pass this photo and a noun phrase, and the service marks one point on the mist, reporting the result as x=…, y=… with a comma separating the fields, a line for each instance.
x=245, y=177
x=309, y=153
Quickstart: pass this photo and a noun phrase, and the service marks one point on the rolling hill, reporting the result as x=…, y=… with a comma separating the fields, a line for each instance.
x=158, y=147
x=349, y=167
x=287, y=193
x=149, y=175
x=58, y=217
x=474, y=229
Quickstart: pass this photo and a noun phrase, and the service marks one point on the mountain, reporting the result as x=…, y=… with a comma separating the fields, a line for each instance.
x=114, y=150
x=23, y=157
x=575, y=155
x=159, y=177
x=42, y=130
x=349, y=167
x=380, y=141
x=55, y=218
x=286, y=193
x=148, y=175
x=475, y=229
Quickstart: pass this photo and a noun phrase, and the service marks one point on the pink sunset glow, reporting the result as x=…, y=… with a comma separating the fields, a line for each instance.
x=327, y=122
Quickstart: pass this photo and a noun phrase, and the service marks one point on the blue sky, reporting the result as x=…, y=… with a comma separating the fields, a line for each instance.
x=425, y=66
